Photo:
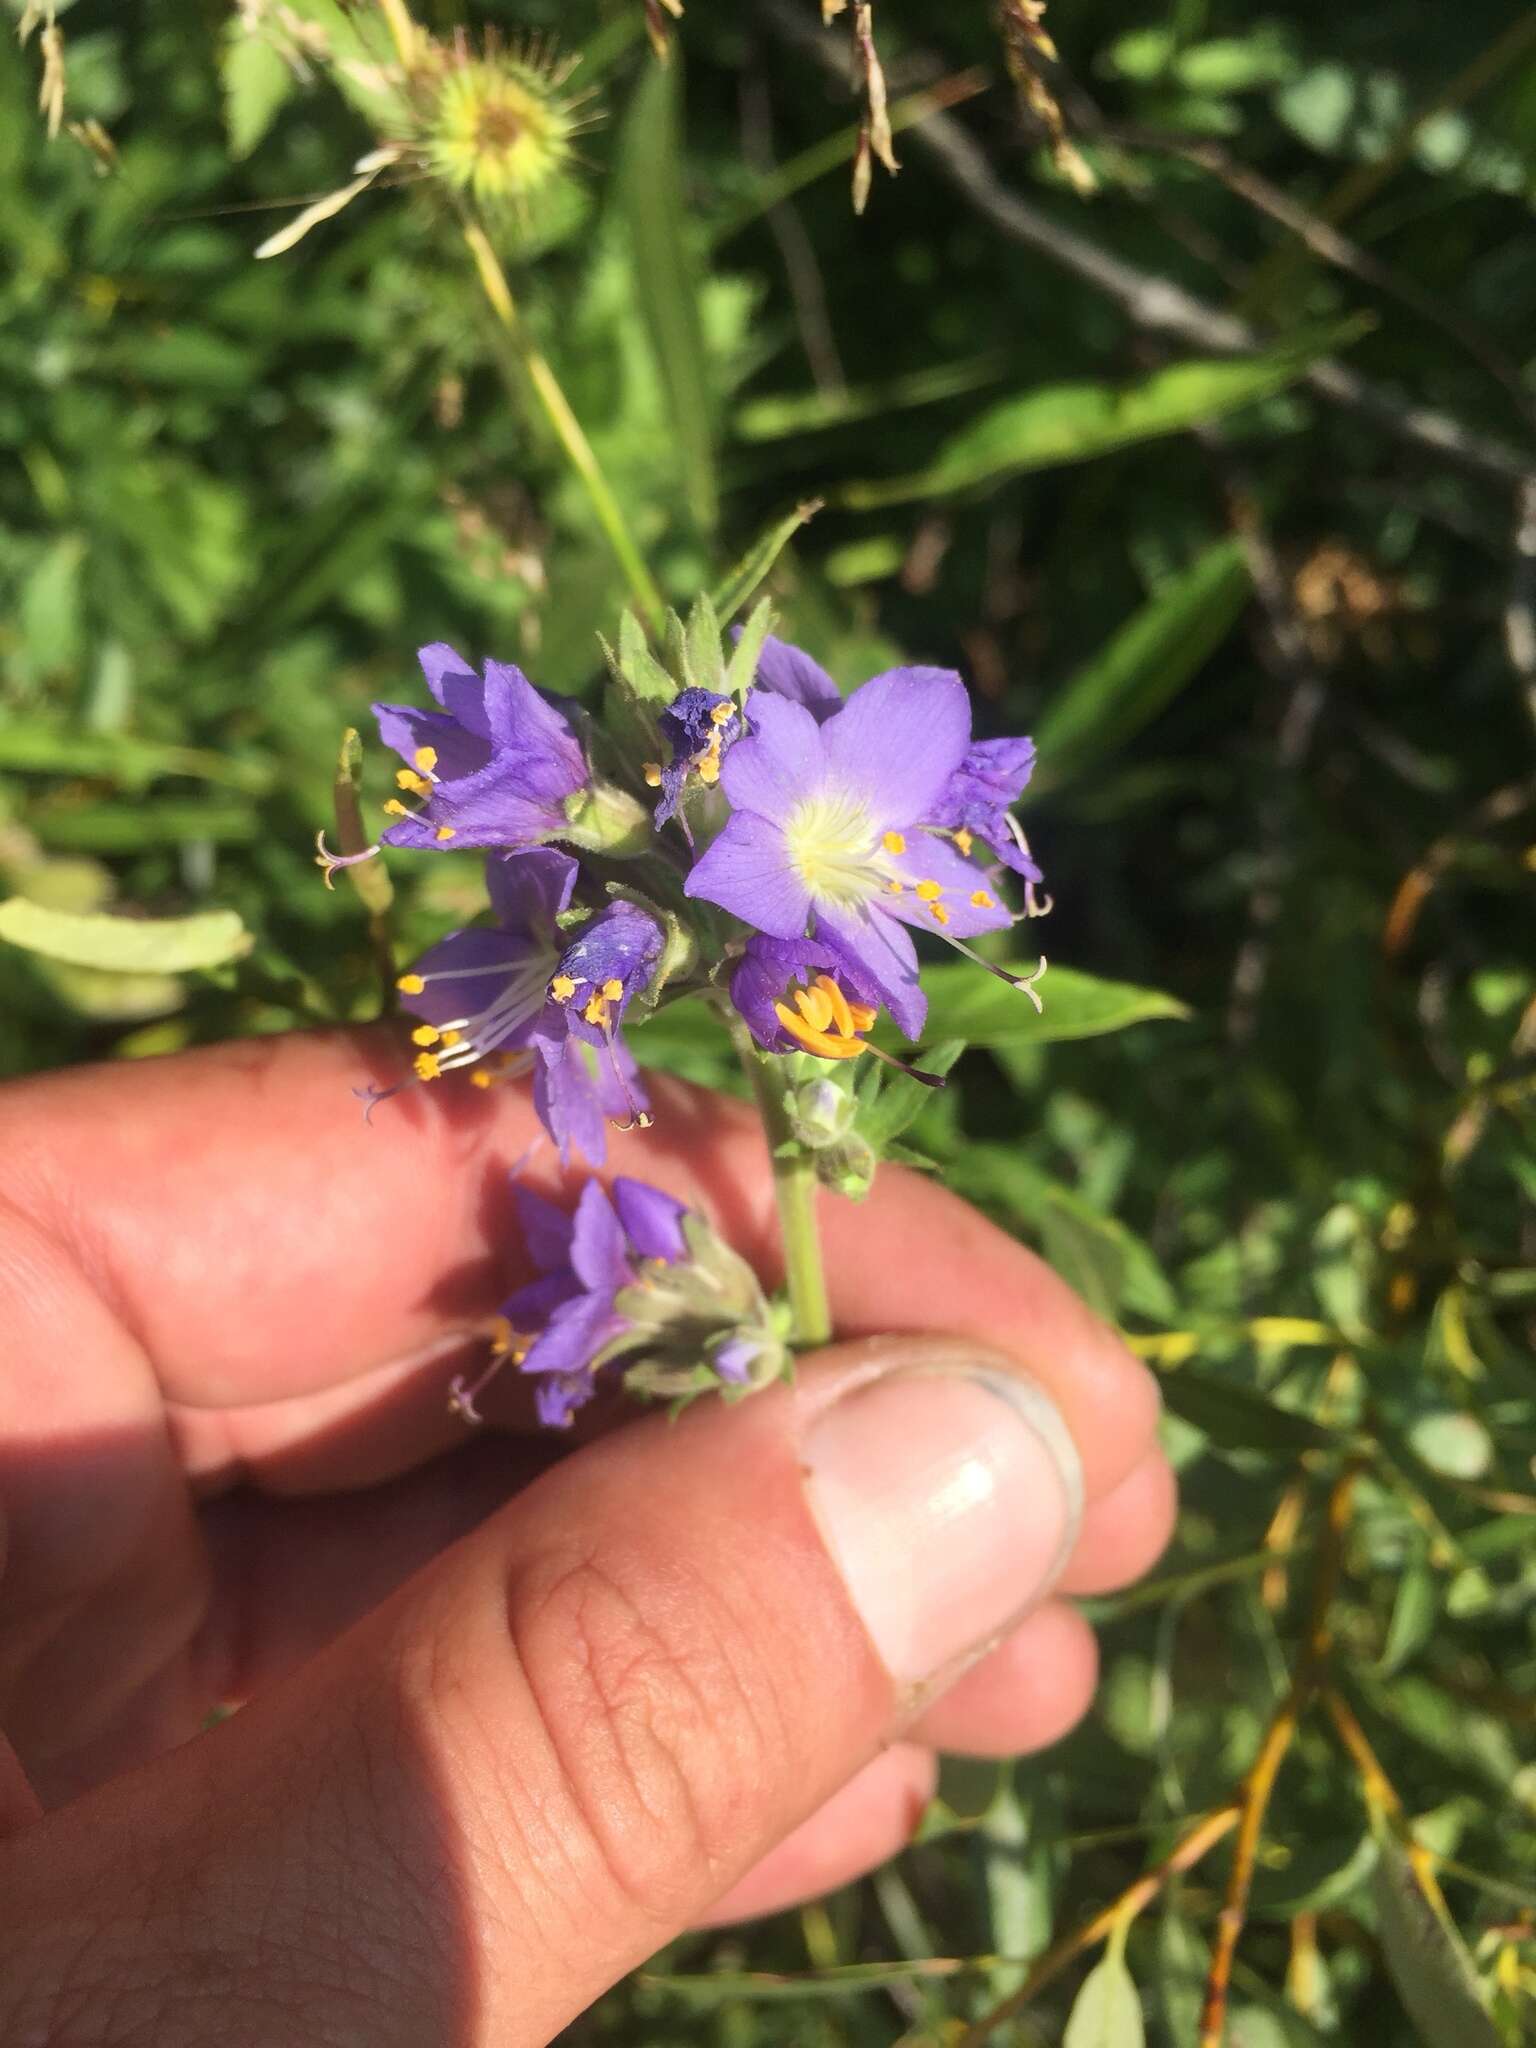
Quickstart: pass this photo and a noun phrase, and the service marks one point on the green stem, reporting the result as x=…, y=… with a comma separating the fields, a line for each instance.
x=568, y=429
x=794, y=1188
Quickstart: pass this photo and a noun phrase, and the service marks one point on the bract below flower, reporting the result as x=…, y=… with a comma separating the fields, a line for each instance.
x=521, y=994
x=827, y=830
x=494, y=766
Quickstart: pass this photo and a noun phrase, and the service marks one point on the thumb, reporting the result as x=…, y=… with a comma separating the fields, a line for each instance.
x=558, y=1745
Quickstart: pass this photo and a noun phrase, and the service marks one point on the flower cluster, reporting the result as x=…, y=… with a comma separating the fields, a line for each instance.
x=730, y=826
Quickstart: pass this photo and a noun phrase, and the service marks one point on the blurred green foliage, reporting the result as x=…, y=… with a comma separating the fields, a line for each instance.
x=1278, y=657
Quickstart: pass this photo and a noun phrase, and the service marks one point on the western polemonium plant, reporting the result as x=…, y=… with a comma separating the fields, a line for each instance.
x=730, y=830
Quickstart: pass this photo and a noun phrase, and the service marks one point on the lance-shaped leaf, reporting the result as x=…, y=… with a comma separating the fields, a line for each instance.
x=126, y=945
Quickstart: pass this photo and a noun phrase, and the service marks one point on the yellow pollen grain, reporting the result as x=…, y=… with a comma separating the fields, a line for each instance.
x=407, y=778
x=940, y=914
x=652, y=773
x=893, y=842
x=481, y=1079
x=427, y=1068
x=410, y=984
x=929, y=891
x=613, y=990
x=562, y=988
x=964, y=841
x=425, y=759
x=982, y=900
x=446, y=832
x=425, y=1034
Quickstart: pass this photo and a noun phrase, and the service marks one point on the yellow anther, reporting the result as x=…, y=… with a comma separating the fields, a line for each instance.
x=722, y=714
x=893, y=842
x=453, y=1038
x=814, y=1007
x=562, y=988
x=396, y=809
x=894, y=888
x=446, y=832
x=837, y=1004
x=481, y=1079
x=410, y=984
x=709, y=764
x=614, y=991
x=425, y=1034
x=596, y=1011
x=964, y=841
x=863, y=1017
x=982, y=900
x=821, y=1043
x=502, y=1336
x=929, y=891
x=425, y=759
x=652, y=773
x=427, y=1068
x=940, y=914
x=407, y=778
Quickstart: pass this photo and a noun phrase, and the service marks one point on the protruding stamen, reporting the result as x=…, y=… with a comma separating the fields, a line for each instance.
x=427, y=1067
x=410, y=984
x=425, y=759
x=425, y=1034
x=463, y=1393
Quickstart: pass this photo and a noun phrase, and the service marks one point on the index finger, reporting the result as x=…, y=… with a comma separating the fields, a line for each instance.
x=263, y=1242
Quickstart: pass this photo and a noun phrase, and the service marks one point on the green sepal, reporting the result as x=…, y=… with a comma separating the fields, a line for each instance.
x=742, y=666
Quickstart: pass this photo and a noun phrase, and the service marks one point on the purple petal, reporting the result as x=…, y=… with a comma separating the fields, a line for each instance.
x=781, y=762
x=484, y=965
x=880, y=949
x=453, y=682
x=574, y=1334
x=567, y=1098
x=528, y=890
x=748, y=872
x=559, y=1395
x=930, y=859
x=897, y=741
x=546, y=1231
x=407, y=730
x=529, y=1308
x=495, y=807
x=599, y=1255
x=653, y=1222
x=521, y=717
x=790, y=672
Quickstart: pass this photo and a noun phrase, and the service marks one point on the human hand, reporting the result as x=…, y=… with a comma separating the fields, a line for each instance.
x=517, y=1714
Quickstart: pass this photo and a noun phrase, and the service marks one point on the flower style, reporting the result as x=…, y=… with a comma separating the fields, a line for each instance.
x=830, y=827
x=521, y=994
x=494, y=766
x=634, y=1272
x=697, y=725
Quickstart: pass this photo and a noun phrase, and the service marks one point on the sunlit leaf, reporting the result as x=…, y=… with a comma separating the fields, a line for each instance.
x=965, y=1002
x=125, y=945
x=1107, y=2010
x=1238, y=1419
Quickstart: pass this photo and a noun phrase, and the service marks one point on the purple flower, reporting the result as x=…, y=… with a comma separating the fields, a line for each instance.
x=978, y=801
x=798, y=996
x=829, y=828
x=585, y=1262
x=697, y=725
x=789, y=672
x=522, y=993
x=493, y=767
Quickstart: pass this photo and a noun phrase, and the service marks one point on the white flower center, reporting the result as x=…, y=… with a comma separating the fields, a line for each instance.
x=832, y=846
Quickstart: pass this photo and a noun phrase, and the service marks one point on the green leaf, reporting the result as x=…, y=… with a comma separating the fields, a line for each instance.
x=1143, y=667
x=742, y=666
x=1107, y=1263
x=894, y=1100
x=966, y=1002
x=655, y=209
x=706, y=663
x=256, y=83
x=32, y=747
x=733, y=589
x=1107, y=2010
x=125, y=945
x=1414, y=1613
x=1427, y=1958
x=1237, y=1419
x=1059, y=423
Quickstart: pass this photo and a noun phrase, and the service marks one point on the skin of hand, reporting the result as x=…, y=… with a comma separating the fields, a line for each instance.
x=515, y=1710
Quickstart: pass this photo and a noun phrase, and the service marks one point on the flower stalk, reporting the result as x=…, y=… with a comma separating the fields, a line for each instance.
x=794, y=1189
